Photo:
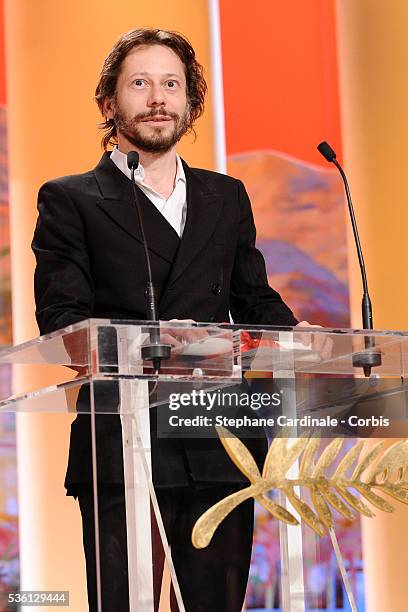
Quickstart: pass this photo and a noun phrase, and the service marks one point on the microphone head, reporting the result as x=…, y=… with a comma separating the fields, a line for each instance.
x=325, y=149
x=132, y=160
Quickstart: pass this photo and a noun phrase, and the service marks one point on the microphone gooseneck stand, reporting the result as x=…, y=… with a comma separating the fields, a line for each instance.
x=371, y=357
x=155, y=351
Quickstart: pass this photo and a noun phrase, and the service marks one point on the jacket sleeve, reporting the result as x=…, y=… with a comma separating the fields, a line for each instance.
x=62, y=280
x=252, y=300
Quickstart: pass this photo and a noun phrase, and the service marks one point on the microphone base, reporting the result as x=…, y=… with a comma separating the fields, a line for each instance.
x=367, y=360
x=156, y=353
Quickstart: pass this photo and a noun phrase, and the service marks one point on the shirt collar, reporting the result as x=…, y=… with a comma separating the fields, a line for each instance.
x=120, y=159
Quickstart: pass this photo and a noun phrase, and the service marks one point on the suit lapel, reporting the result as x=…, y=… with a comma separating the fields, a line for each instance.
x=203, y=211
x=204, y=207
x=118, y=203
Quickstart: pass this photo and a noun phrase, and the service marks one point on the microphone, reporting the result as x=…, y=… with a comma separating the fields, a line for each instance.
x=325, y=149
x=155, y=351
x=369, y=359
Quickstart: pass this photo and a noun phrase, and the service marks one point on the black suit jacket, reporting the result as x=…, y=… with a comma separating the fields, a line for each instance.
x=90, y=263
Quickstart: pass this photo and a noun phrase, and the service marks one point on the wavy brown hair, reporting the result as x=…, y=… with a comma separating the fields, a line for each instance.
x=106, y=88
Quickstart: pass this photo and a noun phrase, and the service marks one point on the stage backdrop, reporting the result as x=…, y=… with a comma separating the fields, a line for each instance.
x=9, y=564
x=279, y=84
x=277, y=74
x=281, y=100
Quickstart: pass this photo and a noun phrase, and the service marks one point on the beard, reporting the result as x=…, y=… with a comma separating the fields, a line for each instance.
x=159, y=140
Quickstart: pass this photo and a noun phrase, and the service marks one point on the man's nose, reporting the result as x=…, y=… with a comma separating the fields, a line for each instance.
x=156, y=96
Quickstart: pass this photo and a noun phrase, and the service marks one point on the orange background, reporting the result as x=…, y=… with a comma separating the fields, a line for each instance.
x=54, y=52
x=2, y=58
x=280, y=76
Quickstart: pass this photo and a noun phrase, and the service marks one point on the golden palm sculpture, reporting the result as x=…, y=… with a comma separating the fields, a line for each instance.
x=388, y=475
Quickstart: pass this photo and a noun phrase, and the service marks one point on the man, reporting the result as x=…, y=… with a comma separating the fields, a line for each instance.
x=90, y=263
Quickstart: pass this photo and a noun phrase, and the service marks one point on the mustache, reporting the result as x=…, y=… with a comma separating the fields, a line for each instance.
x=155, y=113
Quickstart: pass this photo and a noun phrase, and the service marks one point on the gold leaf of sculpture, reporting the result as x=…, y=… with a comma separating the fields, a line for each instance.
x=278, y=511
x=348, y=460
x=327, y=457
x=292, y=453
x=272, y=466
x=307, y=464
x=305, y=512
x=395, y=491
x=336, y=503
x=366, y=460
x=374, y=499
x=322, y=508
x=393, y=458
x=208, y=522
x=239, y=454
x=353, y=501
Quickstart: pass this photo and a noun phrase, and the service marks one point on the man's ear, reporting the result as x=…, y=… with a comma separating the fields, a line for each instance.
x=108, y=108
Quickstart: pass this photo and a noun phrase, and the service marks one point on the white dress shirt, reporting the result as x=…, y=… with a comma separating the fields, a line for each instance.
x=174, y=209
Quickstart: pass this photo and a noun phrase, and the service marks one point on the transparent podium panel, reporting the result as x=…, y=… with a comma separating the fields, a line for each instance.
x=224, y=480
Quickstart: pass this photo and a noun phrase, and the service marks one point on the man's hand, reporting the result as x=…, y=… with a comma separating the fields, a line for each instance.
x=178, y=337
x=321, y=343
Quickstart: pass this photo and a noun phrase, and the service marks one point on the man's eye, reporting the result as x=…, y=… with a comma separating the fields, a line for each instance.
x=139, y=82
x=171, y=84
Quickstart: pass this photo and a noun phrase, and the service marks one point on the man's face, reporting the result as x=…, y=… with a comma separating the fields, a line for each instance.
x=150, y=108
